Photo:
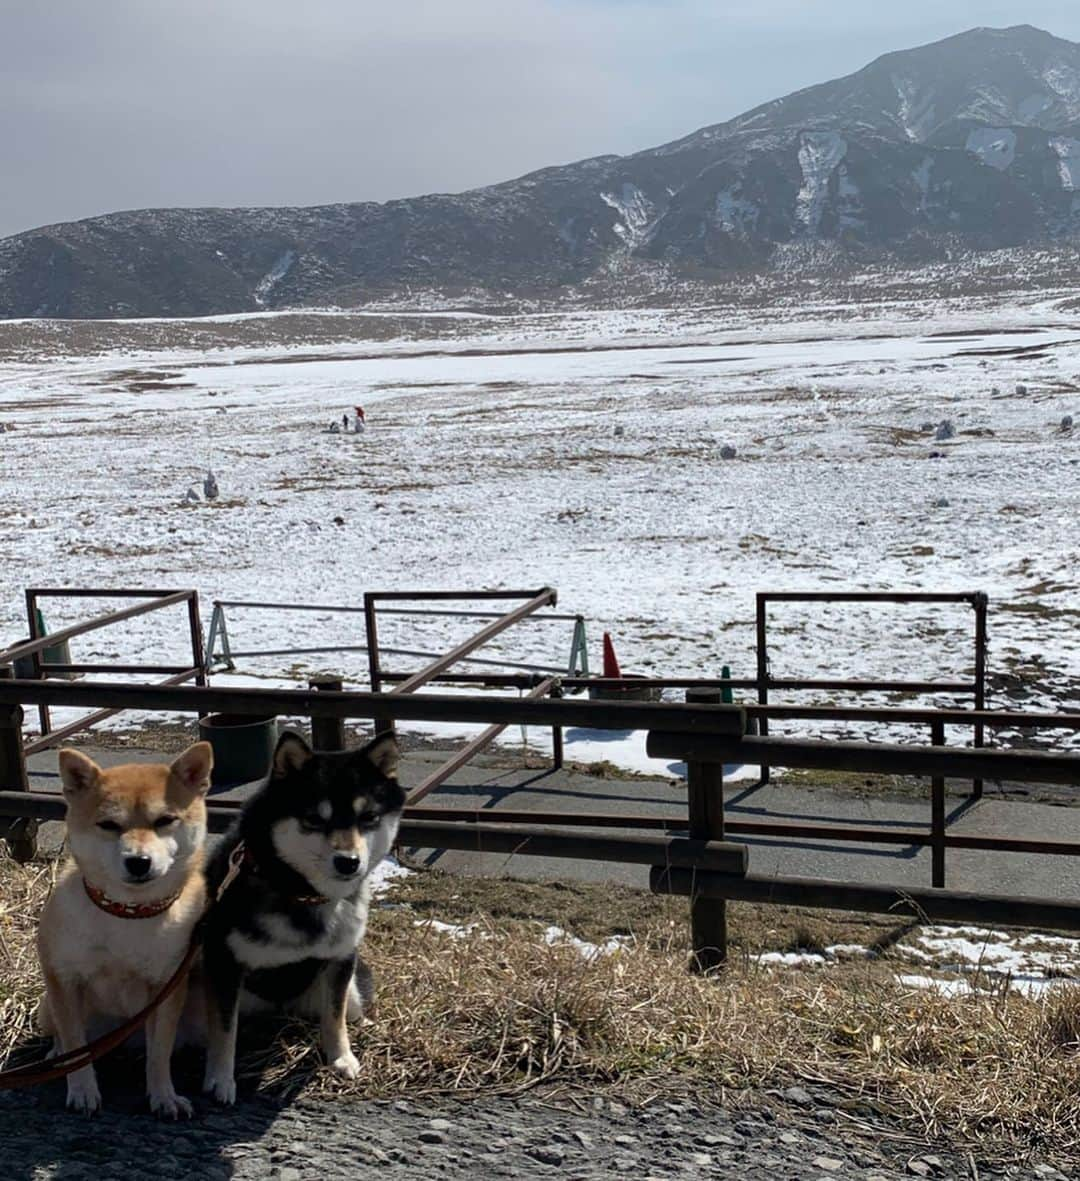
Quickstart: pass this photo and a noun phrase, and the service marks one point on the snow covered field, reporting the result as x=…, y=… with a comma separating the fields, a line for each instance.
x=579, y=450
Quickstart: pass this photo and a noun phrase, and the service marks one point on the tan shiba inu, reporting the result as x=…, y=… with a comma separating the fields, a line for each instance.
x=120, y=919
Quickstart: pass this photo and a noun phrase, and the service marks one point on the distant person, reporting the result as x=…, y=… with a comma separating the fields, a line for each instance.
x=359, y=413
x=345, y=421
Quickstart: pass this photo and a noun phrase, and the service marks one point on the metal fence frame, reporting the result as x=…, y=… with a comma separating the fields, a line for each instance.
x=976, y=688
x=38, y=642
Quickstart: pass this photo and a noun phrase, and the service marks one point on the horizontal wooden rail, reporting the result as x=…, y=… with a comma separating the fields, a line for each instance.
x=917, y=902
x=534, y=841
x=526, y=839
x=884, y=758
x=414, y=707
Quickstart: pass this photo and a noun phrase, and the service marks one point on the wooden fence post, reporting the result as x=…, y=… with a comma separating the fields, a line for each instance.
x=20, y=833
x=705, y=801
x=558, y=754
x=937, y=814
x=327, y=733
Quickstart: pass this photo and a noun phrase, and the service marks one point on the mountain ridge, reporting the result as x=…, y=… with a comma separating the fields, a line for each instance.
x=974, y=138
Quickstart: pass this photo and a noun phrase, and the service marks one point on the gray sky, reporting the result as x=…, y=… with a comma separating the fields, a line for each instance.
x=121, y=104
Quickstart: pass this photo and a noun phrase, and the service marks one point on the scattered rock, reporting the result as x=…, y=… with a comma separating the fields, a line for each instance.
x=339, y=520
x=800, y=1096
x=937, y=455
x=945, y=430
x=727, y=451
x=440, y=1125
x=432, y=1136
x=941, y=502
x=1021, y=389
x=1067, y=422
x=928, y=426
x=828, y=1164
x=192, y=496
x=549, y=1154
x=619, y=431
x=995, y=390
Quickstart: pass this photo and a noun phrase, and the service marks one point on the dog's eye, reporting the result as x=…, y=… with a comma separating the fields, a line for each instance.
x=368, y=820
x=109, y=826
x=164, y=821
x=311, y=822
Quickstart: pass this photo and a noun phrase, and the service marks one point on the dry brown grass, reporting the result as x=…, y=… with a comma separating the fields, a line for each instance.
x=500, y=1010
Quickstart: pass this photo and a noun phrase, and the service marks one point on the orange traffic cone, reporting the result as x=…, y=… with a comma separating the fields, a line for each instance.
x=611, y=665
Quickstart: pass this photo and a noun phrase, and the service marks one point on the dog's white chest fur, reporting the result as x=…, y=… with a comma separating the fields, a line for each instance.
x=109, y=956
x=282, y=943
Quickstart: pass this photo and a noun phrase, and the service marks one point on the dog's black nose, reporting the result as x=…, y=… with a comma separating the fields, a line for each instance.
x=137, y=866
x=346, y=864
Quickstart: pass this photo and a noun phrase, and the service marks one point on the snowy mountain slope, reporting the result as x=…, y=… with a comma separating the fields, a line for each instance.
x=974, y=141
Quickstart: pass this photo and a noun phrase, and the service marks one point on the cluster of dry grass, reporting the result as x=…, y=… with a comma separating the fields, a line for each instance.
x=497, y=1008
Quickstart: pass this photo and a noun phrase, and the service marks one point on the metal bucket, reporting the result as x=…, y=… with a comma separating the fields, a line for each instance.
x=628, y=692
x=243, y=746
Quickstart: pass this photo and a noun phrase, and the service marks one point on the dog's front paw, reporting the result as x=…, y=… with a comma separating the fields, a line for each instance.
x=170, y=1105
x=84, y=1097
x=221, y=1089
x=347, y=1065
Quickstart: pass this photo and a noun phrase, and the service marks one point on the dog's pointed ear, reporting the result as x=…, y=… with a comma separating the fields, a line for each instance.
x=291, y=754
x=385, y=753
x=78, y=772
x=191, y=770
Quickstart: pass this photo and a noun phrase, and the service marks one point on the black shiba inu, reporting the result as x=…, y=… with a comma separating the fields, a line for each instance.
x=287, y=930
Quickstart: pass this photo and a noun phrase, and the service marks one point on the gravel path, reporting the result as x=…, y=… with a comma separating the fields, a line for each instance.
x=801, y=1137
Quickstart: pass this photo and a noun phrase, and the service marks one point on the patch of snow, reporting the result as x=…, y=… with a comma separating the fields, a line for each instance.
x=995, y=146
x=451, y=930
x=273, y=277
x=791, y=959
x=916, y=113
x=949, y=988
x=1068, y=154
x=388, y=871
x=557, y=937
x=635, y=211
x=820, y=152
x=1063, y=80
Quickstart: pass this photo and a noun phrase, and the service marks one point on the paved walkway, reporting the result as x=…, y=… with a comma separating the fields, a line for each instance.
x=488, y=785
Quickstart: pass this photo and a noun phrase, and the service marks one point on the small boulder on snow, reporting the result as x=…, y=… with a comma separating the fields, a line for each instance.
x=945, y=430
x=727, y=451
x=1067, y=423
x=1021, y=389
